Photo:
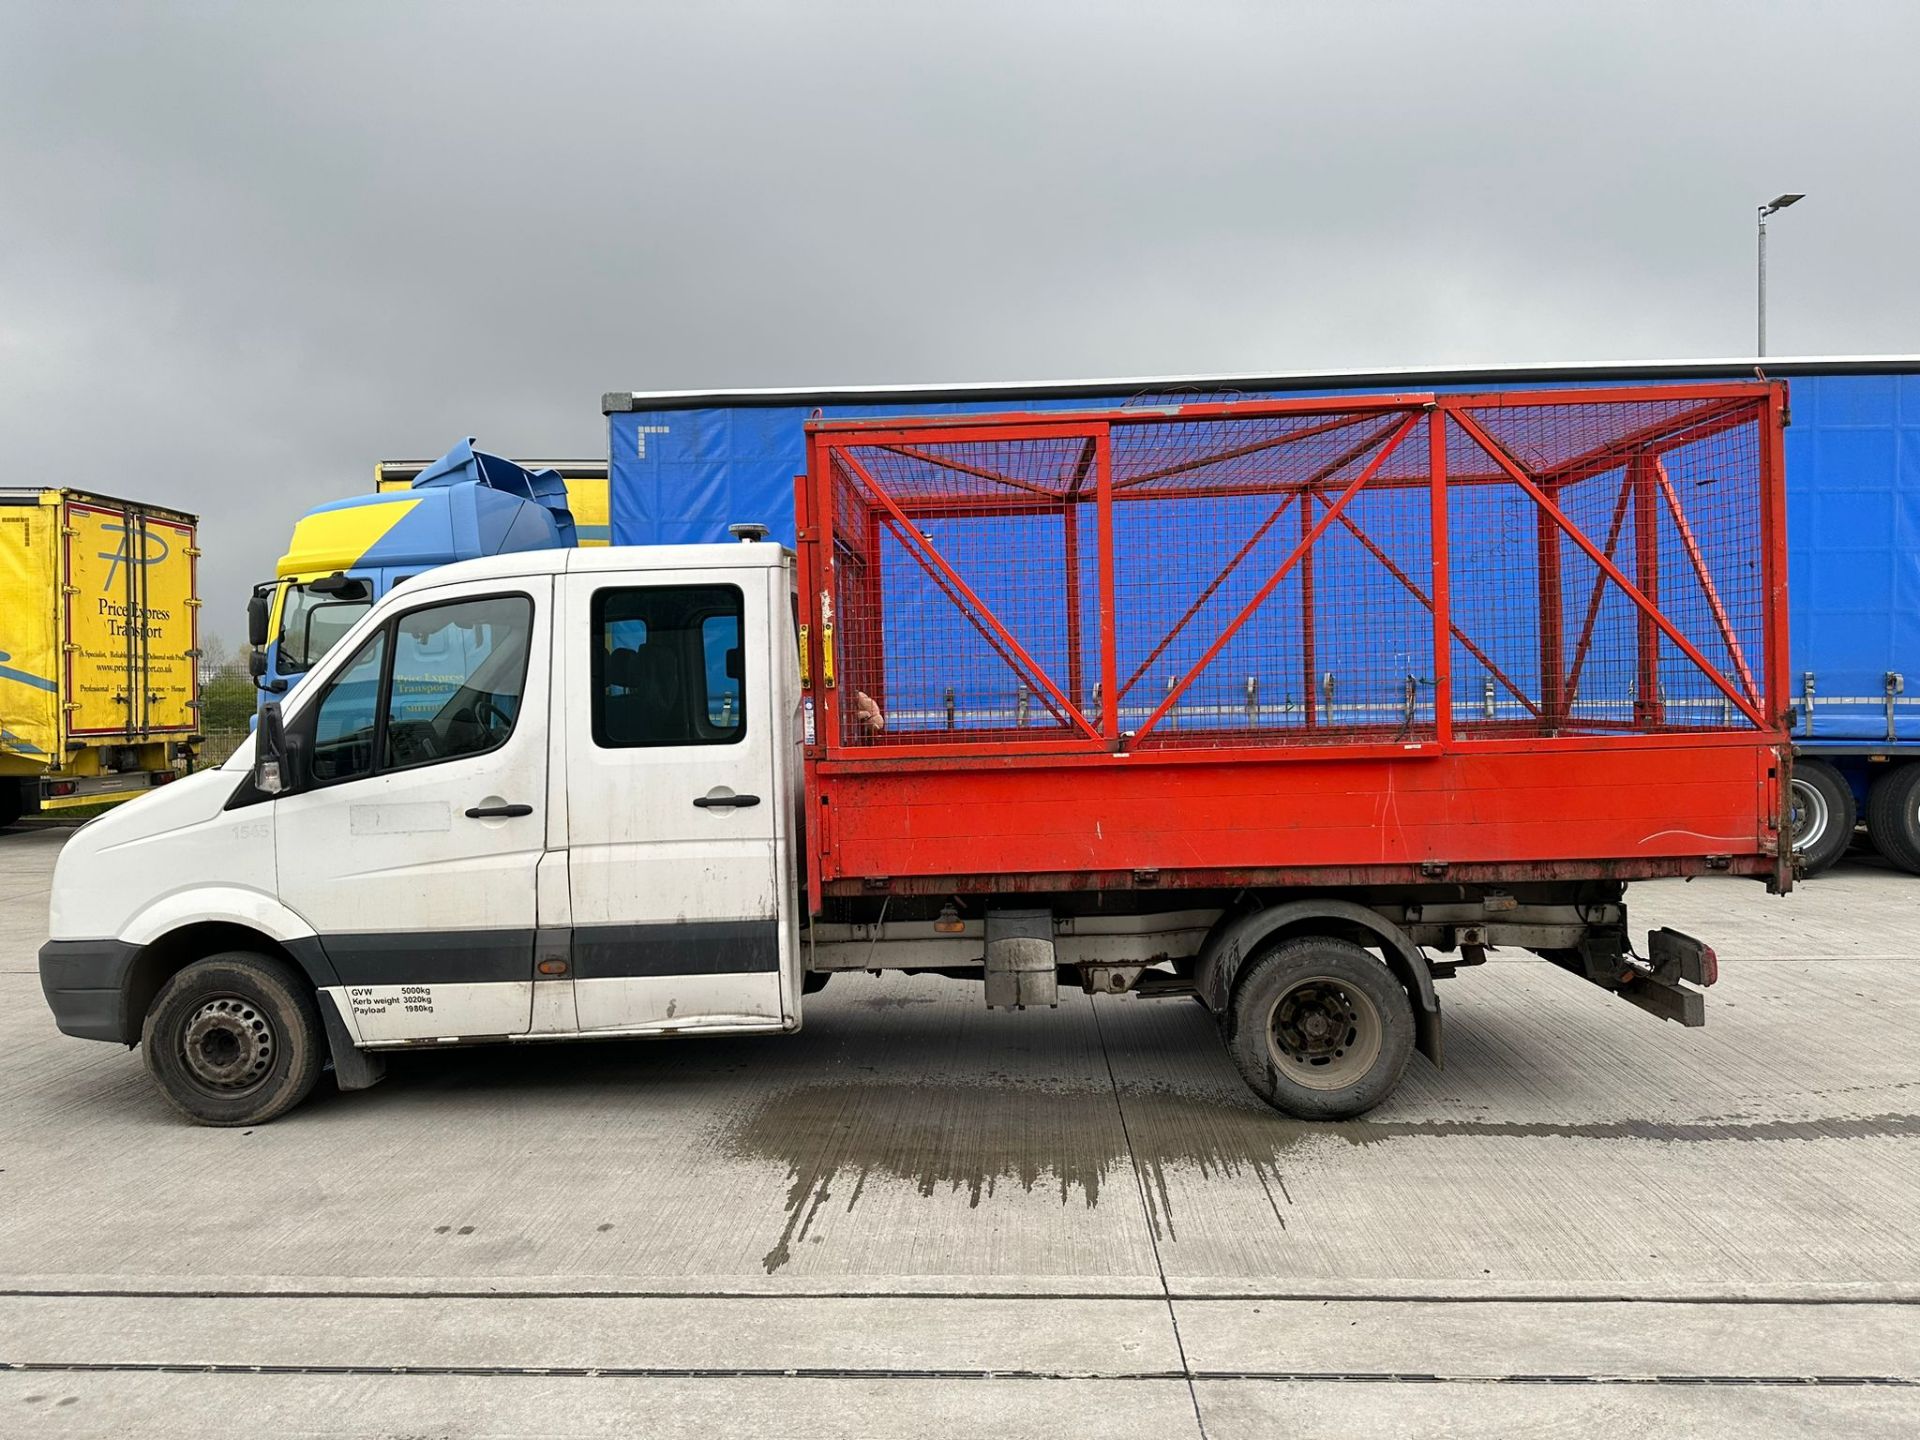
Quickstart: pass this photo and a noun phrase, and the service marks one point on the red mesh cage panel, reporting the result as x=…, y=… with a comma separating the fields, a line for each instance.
x=1324, y=576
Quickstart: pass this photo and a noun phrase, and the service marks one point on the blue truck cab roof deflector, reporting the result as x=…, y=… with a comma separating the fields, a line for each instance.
x=464, y=465
x=465, y=505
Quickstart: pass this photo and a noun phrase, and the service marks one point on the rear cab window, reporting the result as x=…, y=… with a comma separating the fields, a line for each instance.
x=667, y=666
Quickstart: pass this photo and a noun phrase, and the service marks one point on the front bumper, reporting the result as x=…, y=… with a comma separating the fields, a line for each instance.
x=86, y=983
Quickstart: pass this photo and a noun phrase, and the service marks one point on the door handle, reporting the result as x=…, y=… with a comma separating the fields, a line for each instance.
x=725, y=802
x=488, y=812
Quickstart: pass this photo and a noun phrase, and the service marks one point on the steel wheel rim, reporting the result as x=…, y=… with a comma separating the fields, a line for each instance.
x=1324, y=1034
x=1810, y=816
x=228, y=1045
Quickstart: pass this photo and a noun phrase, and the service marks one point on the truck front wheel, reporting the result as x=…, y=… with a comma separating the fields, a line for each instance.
x=1893, y=816
x=234, y=1039
x=1320, y=1029
x=1822, y=816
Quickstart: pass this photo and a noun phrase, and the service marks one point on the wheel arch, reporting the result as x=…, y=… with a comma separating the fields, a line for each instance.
x=1238, y=938
x=166, y=955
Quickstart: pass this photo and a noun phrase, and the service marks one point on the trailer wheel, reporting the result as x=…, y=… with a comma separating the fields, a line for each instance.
x=1822, y=814
x=1893, y=816
x=13, y=802
x=234, y=1039
x=1320, y=1029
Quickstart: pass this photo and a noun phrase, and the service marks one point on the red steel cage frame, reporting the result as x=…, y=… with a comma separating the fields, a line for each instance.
x=885, y=816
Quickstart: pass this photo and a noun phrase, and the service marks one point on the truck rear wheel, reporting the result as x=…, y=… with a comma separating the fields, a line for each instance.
x=1823, y=814
x=13, y=801
x=1320, y=1029
x=234, y=1039
x=1893, y=816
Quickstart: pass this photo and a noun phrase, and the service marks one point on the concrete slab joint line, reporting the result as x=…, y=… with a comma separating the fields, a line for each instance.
x=1153, y=1230
x=665, y=1372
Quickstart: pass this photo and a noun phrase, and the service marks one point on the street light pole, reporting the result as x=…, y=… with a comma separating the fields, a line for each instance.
x=1779, y=202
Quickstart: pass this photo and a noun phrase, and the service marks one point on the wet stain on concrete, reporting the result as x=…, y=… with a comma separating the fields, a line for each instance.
x=894, y=1002
x=1857, y=1127
x=972, y=1139
x=831, y=1139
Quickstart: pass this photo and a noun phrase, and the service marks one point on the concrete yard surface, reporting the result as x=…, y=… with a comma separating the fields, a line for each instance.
x=920, y=1218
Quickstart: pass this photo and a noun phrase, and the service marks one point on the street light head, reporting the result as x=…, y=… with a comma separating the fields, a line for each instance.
x=1780, y=202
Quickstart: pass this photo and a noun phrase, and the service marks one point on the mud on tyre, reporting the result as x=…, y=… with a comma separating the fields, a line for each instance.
x=235, y=1039
x=1319, y=1028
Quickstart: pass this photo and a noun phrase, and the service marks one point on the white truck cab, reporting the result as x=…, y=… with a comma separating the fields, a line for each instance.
x=528, y=797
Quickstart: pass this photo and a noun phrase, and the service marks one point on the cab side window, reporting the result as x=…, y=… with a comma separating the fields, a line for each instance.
x=458, y=674
x=346, y=721
x=667, y=666
x=438, y=683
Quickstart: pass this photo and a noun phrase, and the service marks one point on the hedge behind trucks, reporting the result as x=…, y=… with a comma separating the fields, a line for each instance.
x=99, y=637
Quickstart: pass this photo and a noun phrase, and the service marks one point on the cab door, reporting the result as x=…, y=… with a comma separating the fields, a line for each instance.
x=672, y=801
x=413, y=841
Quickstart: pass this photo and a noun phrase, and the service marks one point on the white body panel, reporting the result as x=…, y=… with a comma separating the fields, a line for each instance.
x=666, y=894
x=387, y=1013
x=671, y=1004
x=129, y=871
x=384, y=863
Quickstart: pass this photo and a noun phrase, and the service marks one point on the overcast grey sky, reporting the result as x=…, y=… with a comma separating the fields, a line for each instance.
x=248, y=249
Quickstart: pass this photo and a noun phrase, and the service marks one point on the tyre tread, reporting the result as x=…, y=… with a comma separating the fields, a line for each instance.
x=1842, y=815
x=1891, y=821
x=1329, y=955
x=277, y=985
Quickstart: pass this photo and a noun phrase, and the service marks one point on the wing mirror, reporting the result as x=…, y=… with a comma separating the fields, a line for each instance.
x=259, y=609
x=270, y=775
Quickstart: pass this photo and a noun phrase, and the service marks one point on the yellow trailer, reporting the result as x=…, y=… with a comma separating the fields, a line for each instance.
x=99, y=647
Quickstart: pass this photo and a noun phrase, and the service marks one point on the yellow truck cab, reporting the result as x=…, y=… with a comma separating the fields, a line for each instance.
x=99, y=647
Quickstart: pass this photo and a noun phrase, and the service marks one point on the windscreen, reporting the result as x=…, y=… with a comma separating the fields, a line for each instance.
x=312, y=622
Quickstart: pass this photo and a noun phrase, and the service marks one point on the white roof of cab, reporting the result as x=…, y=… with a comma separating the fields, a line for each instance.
x=762, y=555
x=521, y=563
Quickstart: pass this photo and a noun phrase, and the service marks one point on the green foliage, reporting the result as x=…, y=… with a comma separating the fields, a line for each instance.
x=226, y=700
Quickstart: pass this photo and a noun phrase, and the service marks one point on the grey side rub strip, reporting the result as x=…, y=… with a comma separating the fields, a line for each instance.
x=710, y=947
x=599, y=952
x=446, y=957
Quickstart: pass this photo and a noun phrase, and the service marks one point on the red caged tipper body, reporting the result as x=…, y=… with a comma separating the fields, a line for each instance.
x=1298, y=705
x=1479, y=638
x=1293, y=705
